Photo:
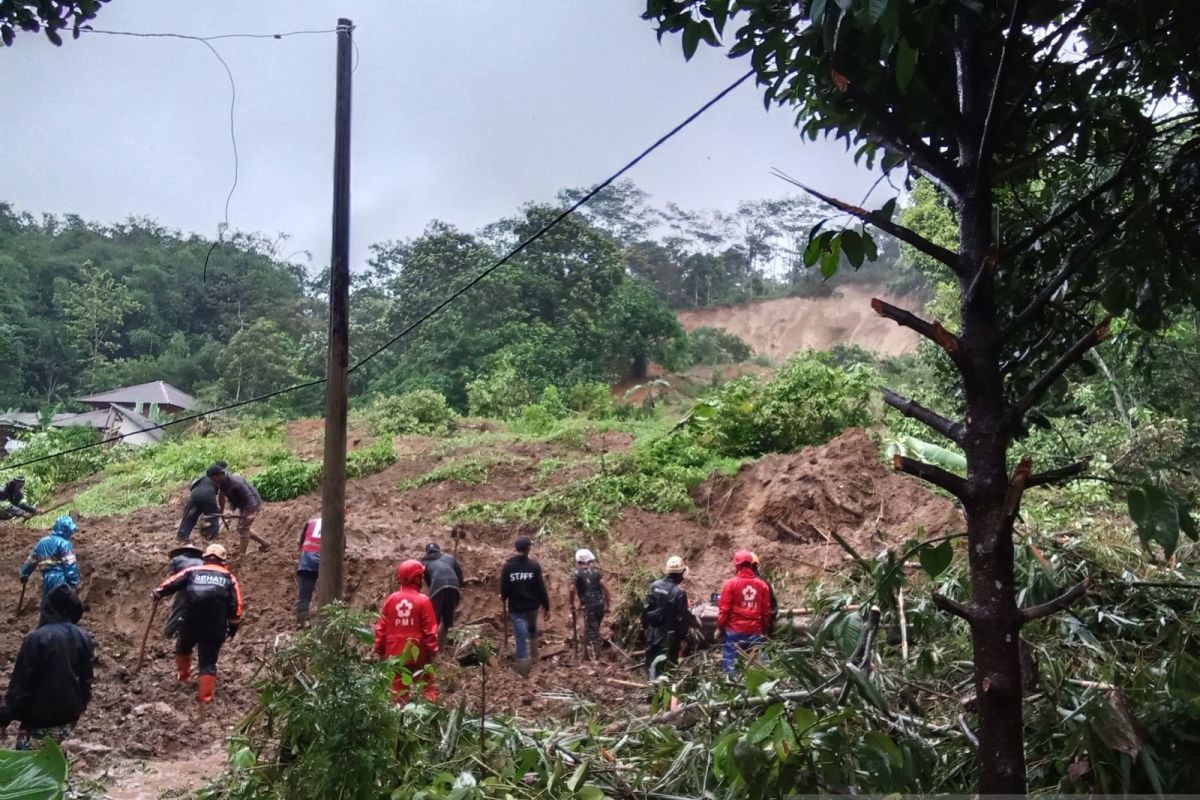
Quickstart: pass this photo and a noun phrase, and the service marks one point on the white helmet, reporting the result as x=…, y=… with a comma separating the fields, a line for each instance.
x=584, y=556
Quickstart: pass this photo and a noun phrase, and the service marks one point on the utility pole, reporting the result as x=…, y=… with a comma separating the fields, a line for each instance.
x=331, y=582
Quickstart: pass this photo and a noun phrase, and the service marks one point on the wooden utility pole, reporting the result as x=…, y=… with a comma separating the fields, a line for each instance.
x=331, y=582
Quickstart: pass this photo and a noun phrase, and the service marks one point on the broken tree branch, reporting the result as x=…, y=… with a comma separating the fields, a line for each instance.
x=849, y=548
x=952, y=606
x=1016, y=487
x=1060, y=603
x=1077, y=351
x=1058, y=475
x=914, y=410
x=906, y=235
x=933, y=331
x=939, y=477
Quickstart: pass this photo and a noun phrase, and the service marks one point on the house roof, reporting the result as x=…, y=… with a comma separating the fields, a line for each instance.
x=92, y=419
x=24, y=419
x=151, y=429
x=159, y=392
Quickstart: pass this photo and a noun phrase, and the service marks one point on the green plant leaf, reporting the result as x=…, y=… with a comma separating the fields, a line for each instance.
x=882, y=743
x=33, y=774
x=906, y=64
x=576, y=776
x=868, y=690
x=934, y=560
x=852, y=246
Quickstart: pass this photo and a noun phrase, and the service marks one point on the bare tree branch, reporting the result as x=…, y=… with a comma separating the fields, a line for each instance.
x=1057, y=475
x=1076, y=352
x=952, y=483
x=933, y=331
x=1016, y=487
x=1077, y=259
x=1013, y=168
x=913, y=410
x=952, y=606
x=906, y=235
x=1060, y=603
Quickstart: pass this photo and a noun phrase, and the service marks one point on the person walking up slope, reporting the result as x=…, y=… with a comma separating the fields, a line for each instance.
x=202, y=502
x=587, y=584
x=522, y=592
x=212, y=614
x=666, y=616
x=407, y=628
x=743, y=611
x=54, y=555
x=444, y=579
x=181, y=558
x=51, y=683
x=309, y=568
x=244, y=499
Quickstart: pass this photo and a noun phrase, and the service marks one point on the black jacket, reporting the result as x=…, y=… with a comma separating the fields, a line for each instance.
x=51, y=681
x=204, y=496
x=587, y=586
x=13, y=493
x=240, y=493
x=665, y=610
x=442, y=572
x=179, y=608
x=214, y=598
x=522, y=587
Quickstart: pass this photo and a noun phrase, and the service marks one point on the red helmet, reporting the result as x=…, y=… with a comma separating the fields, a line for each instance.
x=410, y=571
x=743, y=557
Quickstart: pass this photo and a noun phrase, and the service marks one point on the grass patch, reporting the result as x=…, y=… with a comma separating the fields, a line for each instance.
x=474, y=471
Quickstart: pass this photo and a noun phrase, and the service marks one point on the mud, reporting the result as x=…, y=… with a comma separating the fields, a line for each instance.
x=778, y=507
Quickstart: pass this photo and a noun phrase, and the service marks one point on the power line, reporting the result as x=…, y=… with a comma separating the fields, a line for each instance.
x=433, y=311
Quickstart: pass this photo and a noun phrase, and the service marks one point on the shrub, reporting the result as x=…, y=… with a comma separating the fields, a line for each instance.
x=422, y=411
x=286, y=479
x=535, y=419
x=500, y=394
x=717, y=346
x=591, y=398
x=370, y=460
x=552, y=401
x=809, y=401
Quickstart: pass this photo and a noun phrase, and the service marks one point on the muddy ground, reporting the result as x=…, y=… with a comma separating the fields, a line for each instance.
x=782, y=507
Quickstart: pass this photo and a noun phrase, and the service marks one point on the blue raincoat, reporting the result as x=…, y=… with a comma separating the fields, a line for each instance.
x=55, y=557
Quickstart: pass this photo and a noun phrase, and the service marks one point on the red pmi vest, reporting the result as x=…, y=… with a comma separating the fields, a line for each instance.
x=312, y=537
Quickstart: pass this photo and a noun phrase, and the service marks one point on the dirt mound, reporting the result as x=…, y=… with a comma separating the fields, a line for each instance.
x=784, y=506
x=778, y=328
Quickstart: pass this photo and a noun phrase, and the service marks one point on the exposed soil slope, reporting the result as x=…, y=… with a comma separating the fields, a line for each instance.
x=122, y=558
x=777, y=328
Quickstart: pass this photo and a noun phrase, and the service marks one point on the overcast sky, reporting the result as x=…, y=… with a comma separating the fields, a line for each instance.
x=462, y=112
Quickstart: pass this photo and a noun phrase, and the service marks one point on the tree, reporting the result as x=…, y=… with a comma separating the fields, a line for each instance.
x=50, y=16
x=94, y=309
x=994, y=102
x=259, y=359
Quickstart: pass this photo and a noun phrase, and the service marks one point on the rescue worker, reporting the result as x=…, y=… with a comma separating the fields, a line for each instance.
x=587, y=584
x=51, y=681
x=181, y=559
x=309, y=567
x=212, y=614
x=743, y=610
x=244, y=499
x=55, y=557
x=407, y=629
x=443, y=580
x=202, y=501
x=522, y=591
x=666, y=617
x=13, y=493
x=770, y=591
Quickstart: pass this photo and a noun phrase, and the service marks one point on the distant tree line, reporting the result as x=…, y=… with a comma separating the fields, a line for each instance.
x=88, y=306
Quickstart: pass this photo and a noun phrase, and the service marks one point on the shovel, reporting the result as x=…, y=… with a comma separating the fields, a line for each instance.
x=21, y=599
x=146, y=635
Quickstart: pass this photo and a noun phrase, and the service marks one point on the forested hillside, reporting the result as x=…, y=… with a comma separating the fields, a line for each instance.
x=89, y=306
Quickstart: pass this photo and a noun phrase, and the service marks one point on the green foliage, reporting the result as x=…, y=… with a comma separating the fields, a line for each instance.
x=288, y=478
x=591, y=399
x=808, y=401
x=259, y=358
x=43, y=478
x=50, y=16
x=500, y=394
x=371, y=459
x=33, y=774
x=717, y=346
x=422, y=411
x=471, y=470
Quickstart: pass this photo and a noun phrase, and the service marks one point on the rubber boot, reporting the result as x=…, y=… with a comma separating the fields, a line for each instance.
x=208, y=683
x=523, y=667
x=533, y=651
x=183, y=666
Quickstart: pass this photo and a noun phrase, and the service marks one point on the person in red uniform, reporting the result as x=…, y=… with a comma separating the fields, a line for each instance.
x=744, y=610
x=408, y=628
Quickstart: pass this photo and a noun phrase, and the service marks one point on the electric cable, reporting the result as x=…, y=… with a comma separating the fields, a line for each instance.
x=427, y=315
